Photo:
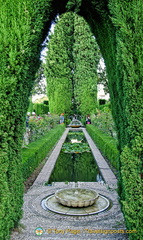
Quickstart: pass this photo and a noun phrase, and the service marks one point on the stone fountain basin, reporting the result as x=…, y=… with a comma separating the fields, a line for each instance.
x=76, y=197
x=75, y=126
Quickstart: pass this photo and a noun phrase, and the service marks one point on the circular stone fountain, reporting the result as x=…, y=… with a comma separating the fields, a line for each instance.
x=76, y=202
x=74, y=197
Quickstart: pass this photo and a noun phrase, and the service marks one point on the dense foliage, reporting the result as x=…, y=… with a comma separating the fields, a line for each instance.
x=21, y=33
x=39, y=86
x=102, y=76
x=71, y=66
x=86, y=59
x=37, y=151
x=40, y=108
x=58, y=67
x=37, y=126
x=104, y=121
x=127, y=110
x=106, y=144
x=119, y=34
x=118, y=28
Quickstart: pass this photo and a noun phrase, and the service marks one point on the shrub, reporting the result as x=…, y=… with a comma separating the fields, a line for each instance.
x=40, y=108
x=132, y=197
x=37, y=151
x=30, y=107
x=45, y=108
x=105, y=143
x=39, y=125
x=104, y=121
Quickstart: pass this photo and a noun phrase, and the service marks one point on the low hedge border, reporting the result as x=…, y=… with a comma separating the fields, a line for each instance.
x=37, y=151
x=106, y=144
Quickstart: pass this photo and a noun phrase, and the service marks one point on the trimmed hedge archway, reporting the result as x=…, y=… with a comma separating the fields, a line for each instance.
x=118, y=28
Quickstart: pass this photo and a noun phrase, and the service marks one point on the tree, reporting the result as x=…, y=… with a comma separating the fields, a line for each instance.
x=86, y=59
x=71, y=66
x=58, y=66
x=39, y=84
x=102, y=77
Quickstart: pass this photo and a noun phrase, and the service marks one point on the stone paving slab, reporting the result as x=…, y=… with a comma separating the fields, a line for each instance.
x=106, y=225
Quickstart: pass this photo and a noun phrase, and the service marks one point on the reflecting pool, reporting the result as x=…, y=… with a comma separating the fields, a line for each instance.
x=75, y=162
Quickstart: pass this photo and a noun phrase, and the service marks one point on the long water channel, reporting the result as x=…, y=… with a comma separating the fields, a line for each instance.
x=75, y=162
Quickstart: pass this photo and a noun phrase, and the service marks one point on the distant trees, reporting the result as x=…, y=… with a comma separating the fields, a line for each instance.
x=102, y=78
x=71, y=66
x=39, y=86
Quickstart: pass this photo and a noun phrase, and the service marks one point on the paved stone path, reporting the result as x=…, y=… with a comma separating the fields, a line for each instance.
x=108, y=225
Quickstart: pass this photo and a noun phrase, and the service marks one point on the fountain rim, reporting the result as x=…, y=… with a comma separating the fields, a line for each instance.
x=76, y=189
x=48, y=198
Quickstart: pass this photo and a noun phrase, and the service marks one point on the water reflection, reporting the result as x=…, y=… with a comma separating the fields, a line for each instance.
x=75, y=167
x=75, y=162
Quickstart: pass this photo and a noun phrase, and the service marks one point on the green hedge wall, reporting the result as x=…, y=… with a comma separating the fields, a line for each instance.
x=132, y=182
x=106, y=144
x=40, y=108
x=37, y=151
x=21, y=34
x=118, y=28
x=132, y=188
x=120, y=35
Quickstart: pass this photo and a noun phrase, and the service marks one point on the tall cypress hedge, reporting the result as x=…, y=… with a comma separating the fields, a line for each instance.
x=71, y=66
x=128, y=20
x=58, y=66
x=86, y=59
x=118, y=28
x=119, y=34
x=21, y=34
